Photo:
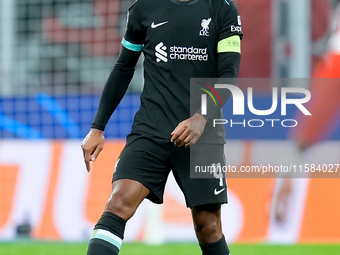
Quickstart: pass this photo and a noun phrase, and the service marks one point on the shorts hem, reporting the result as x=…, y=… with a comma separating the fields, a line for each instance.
x=206, y=202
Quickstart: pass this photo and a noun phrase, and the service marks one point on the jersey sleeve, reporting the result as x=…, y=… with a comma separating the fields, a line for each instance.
x=229, y=49
x=229, y=20
x=135, y=32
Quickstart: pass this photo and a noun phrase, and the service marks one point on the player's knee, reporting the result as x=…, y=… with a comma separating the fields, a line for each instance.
x=125, y=197
x=208, y=233
x=121, y=205
x=207, y=228
x=207, y=223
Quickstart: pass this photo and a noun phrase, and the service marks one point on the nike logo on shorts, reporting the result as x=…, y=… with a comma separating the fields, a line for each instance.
x=216, y=192
x=153, y=25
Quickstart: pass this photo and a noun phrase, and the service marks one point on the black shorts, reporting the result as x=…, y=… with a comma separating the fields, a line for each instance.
x=149, y=161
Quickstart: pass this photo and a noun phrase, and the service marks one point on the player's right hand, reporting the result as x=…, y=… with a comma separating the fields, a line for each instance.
x=92, y=145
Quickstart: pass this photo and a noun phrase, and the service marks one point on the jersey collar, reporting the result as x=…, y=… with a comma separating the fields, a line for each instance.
x=189, y=2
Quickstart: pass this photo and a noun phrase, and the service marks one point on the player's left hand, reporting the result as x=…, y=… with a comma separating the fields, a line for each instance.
x=188, y=131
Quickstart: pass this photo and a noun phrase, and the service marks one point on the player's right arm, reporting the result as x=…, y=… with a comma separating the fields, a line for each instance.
x=116, y=85
x=114, y=90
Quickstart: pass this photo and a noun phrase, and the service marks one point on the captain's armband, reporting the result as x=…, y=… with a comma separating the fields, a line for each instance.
x=230, y=44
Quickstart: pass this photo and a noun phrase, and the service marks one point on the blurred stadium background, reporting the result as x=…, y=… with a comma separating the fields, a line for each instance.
x=55, y=57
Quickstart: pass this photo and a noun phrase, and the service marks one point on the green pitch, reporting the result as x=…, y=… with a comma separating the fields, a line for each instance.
x=54, y=248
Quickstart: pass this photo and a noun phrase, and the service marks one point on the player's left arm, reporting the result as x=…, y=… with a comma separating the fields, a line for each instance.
x=189, y=131
x=228, y=61
x=229, y=58
x=229, y=52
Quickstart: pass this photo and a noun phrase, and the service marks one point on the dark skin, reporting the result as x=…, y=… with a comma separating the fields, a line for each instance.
x=185, y=134
x=127, y=195
x=188, y=131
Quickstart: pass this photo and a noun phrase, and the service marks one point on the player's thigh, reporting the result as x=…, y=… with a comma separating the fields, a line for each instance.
x=144, y=160
x=201, y=188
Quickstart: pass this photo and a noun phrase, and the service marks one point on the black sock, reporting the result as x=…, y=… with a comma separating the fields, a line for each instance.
x=218, y=248
x=107, y=235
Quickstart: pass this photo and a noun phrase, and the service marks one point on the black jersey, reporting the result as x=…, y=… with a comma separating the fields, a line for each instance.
x=179, y=41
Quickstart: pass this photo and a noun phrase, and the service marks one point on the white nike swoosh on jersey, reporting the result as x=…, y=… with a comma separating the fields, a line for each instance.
x=216, y=192
x=153, y=25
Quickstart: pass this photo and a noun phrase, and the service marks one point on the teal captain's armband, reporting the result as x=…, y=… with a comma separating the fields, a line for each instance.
x=132, y=46
x=230, y=44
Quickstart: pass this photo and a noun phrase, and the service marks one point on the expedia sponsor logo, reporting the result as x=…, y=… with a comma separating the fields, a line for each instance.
x=236, y=29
